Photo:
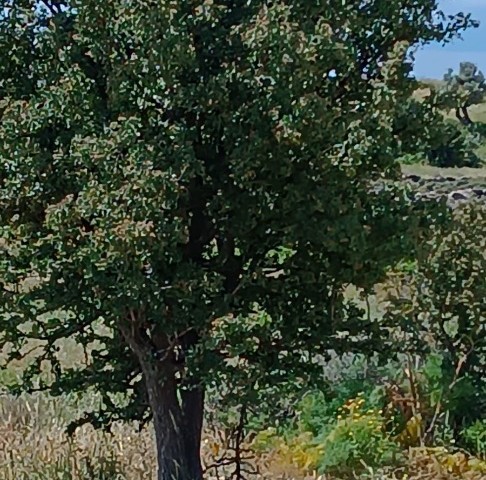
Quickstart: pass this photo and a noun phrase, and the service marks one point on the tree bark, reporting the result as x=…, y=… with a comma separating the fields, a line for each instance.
x=178, y=428
x=193, y=411
x=177, y=414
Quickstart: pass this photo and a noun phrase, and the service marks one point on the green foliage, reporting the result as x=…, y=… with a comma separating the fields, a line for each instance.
x=371, y=429
x=474, y=437
x=444, y=299
x=185, y=193
x=357, y=440
x=437, y=311
x=411, y=159
x=406, y=267
x=469, y=83
x=454, y=146
x=337, y=429
x=337, y=441
x=456, y=393
x=432, y=138
x=416, y=123
x=317, y=407
x=315, y=412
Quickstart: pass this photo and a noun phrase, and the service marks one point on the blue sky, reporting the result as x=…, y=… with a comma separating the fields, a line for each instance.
x=434, y=60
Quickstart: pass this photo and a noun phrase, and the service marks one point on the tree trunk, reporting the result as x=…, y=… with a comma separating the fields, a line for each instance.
x=178, y=426
x=177, y=415
x=193, y=411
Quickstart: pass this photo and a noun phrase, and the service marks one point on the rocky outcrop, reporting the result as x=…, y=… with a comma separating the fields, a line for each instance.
x=456, y=189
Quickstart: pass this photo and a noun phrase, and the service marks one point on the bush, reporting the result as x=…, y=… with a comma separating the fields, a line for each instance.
x=319, y=408
x=443, y=142
x=436, y=313
x=474, y=438
x=333, y=439
x=422, y=408
x=357, y=439
x=439, y=307
x=454, y=146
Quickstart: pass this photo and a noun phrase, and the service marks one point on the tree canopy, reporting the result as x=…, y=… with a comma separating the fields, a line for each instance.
x=184, y=183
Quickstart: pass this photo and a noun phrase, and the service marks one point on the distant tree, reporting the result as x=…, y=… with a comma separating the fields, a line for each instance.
x=188, y=183
x=420, y=120
x=469, y=86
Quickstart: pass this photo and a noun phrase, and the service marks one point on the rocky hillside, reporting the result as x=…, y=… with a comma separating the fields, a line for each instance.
x=456, y=189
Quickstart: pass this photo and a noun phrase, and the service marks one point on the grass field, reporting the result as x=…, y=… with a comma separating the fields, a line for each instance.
x=430, y=171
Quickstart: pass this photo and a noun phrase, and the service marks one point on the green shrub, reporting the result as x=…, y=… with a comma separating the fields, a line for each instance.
x=318, y=409
x=357, y=439
x=437, y=313
x=474, y=438
x=457, y=393
x=351, y=440
x=454, y=146
x=412, y=158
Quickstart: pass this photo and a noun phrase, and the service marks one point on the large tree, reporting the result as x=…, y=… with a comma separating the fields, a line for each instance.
x=184, y=182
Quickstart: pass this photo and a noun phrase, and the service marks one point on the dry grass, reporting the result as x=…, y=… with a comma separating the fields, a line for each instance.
x=430, y=171
x=34, y=445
